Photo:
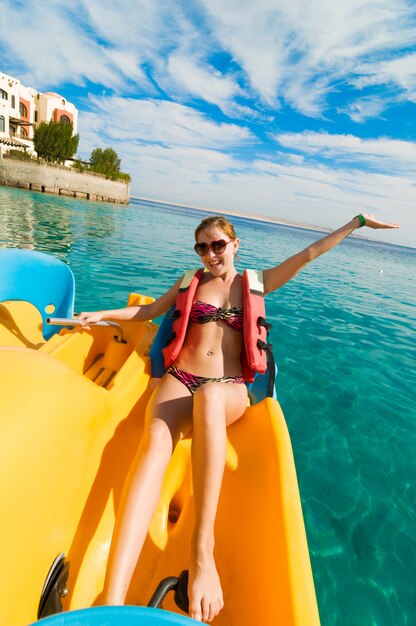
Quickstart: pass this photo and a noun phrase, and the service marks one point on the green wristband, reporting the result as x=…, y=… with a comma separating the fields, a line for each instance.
x=361, y=219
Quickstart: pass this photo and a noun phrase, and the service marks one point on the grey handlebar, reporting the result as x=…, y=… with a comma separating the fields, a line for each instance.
x=63, y=321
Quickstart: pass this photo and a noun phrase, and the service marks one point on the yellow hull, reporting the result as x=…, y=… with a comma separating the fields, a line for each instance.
x=72, y=412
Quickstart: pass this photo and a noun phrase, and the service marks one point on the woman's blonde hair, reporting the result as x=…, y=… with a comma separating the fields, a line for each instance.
x=217, y=221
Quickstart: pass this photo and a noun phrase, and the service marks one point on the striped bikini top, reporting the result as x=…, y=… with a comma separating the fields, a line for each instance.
x=202, y=312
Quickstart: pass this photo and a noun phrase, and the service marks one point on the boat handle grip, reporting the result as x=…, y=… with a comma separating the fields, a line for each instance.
x=68, y=321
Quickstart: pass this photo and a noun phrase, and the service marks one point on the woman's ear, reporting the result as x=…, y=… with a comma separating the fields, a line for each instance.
x=236, y=246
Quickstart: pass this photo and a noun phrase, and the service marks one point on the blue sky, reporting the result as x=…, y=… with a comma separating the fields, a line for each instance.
x=298, y=109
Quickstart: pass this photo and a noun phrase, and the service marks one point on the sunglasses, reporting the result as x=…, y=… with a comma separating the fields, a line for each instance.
x=217, y=247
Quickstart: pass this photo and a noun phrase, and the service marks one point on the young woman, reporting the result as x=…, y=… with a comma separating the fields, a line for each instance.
x=202, y=391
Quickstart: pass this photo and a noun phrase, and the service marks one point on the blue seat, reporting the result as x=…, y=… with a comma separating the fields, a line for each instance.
x=159, y=342
x=116, y=616
x=38, y=278
x=264, y=385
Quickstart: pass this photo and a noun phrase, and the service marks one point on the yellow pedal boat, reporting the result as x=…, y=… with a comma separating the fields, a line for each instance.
x=72, y=410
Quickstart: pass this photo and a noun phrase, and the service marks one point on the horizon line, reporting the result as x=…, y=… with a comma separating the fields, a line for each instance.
x=268, y=219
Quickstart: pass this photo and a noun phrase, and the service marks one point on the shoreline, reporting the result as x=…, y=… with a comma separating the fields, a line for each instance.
x=58, y=180
x=259, y=218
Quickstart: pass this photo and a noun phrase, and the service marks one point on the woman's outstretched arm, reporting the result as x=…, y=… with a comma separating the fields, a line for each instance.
x=277, y=276
x=135, y=313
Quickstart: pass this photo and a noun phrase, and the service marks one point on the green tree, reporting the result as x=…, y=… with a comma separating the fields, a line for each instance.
x=79, y=165
x=107, y=162
x=54, y=141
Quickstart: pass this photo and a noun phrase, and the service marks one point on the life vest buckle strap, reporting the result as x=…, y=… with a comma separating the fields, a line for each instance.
x=262, y=322
x=262, y=345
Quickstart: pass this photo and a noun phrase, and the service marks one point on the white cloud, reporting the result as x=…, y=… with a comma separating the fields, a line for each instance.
x=88, y=40
x=158, y=121
x=250, y=32
x=288, y=51
x=201, y=81
x=295, y=158
x=127, y=62
x=188, y=76
x=137, y=25
x=400, y=72
x=366, y=108
x=297, y=51
x=39, y=37
x=382, y=154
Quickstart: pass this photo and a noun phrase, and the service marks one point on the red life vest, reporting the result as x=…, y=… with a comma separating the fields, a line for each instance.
x=254, y=352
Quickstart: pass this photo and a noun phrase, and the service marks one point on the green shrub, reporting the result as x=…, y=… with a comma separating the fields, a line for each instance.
x=122, y=176
x=107, y=162
x=80, y=166
x=20, y=155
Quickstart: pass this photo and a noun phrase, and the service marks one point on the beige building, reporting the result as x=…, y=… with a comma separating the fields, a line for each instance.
x=21, y=108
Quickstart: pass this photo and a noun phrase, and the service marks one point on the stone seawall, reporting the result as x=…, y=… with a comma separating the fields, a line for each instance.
x=62, y=181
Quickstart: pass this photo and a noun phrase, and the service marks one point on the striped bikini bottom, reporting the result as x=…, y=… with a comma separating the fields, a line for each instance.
x=192, y=382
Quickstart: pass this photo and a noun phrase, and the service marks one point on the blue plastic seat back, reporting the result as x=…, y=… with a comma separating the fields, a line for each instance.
x=117, y=616
x=159, y=342
x=264, y=385
x=38, y=278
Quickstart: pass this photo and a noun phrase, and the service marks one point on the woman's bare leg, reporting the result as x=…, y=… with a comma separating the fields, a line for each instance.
x=168, y=419
x=216, y=405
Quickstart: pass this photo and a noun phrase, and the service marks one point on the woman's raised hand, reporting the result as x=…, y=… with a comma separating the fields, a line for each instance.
x=90, y=317
x=372, y=222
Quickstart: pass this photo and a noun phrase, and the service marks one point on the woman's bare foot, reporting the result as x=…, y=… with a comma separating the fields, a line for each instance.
x=204, y=589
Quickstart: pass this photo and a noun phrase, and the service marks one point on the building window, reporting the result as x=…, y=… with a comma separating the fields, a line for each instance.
x=23, y=132
x=2, y=124
x=65, y=119
x=36, y=116
x=13, y=102
x=4, y=95
x=22, y=110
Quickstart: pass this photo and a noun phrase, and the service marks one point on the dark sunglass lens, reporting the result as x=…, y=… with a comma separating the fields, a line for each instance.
x=201, y=248
x=218, y=246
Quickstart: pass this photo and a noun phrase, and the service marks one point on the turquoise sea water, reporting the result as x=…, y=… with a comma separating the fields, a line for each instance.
x=343, y=335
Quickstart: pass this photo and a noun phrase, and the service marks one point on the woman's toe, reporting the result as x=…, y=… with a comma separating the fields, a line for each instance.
x=195, y=611
x=213, y=610
x=196, y=616
x=206, y=610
